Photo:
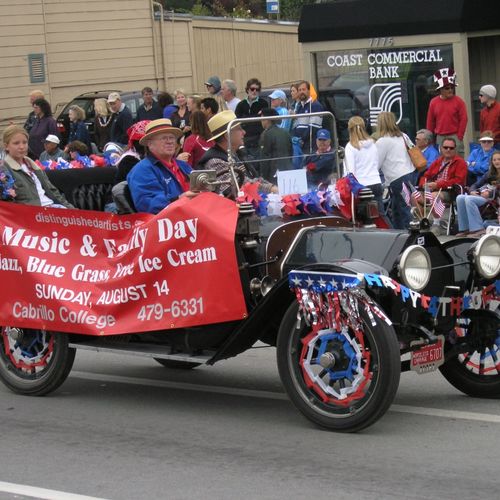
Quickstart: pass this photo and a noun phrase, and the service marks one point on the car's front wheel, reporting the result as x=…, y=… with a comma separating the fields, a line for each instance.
x=477, y=372
x=34, y=362
x=343, y=379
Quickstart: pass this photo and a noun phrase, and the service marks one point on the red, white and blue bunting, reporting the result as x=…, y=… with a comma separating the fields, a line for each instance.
x=326, y=283
x=316, y=202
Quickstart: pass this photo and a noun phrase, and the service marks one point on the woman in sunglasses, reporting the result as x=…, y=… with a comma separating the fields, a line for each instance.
x=249, y=108
x=479, y=159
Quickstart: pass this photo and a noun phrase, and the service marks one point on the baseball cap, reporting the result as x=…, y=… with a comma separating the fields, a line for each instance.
x=214, y=81
x=277, y=94
x=486, y=137
x=113, y=97
x=323, y=134
x=52, y=138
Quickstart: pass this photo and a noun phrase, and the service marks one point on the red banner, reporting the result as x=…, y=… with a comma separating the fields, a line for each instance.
x=104, y=274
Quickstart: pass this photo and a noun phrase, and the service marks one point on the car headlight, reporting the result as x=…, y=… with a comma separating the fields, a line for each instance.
x=487, y=256
x=415, y=267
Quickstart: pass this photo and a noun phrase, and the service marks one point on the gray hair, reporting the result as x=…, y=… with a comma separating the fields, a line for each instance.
x=231, y=85
x=428, y=135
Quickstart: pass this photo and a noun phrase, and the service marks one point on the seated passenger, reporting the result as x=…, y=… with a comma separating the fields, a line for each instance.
x=448, y=171
x=216, y=158
x=479, y=159
x=134, y=153
x=159, y=178
x=321, y=164
x=52, y=150
x=31, y=184
x=470, y=219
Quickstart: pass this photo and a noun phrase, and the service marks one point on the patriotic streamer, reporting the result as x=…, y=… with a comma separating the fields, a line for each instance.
x=309, y=284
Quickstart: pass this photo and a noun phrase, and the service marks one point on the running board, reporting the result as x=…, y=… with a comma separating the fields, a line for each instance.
x=144, y=350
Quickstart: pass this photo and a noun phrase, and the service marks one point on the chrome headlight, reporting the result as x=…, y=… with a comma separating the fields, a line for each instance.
x=487, y=256
x=415, y=267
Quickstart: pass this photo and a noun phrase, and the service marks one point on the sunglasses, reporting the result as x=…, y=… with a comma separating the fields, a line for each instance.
x=480, y=95
x=448, y=87
x=448, y=147
x=254, y=89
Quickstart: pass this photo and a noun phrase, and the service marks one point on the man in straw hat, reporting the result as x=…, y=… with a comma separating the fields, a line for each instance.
x=217, y=158
x=447, y=114
x=159, y=178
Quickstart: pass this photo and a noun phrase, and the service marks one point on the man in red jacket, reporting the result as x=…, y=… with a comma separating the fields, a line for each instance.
x=447, y=114
x=447, y=170
x=489, y=119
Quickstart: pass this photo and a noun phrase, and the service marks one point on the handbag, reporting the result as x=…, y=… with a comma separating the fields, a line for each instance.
x=417, y=158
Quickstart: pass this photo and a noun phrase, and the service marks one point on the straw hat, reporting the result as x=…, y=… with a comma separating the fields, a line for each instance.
x=159, y=126
x=218, y=123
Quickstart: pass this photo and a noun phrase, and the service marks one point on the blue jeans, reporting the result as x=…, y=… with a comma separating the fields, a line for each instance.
x=469, y=218
x=401, y=215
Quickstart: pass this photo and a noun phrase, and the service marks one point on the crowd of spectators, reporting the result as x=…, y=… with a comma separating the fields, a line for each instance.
x=172, y=134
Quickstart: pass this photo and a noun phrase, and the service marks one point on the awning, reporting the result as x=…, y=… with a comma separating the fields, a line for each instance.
x=354, y=19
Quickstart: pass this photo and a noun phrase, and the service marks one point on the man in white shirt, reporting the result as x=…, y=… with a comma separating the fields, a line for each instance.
x=228, y=92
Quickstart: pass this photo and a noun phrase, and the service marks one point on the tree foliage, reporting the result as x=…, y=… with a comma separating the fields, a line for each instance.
x=290, y=9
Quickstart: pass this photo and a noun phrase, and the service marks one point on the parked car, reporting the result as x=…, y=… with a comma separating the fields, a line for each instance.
x=348, y=307
x=131, y=99
x=344, y=104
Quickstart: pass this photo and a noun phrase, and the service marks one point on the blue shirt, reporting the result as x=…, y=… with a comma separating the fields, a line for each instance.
x=153, y=186
x=430, y=154
x=479, y=161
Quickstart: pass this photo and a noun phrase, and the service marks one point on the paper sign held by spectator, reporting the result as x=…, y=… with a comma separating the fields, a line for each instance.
x=292, y=182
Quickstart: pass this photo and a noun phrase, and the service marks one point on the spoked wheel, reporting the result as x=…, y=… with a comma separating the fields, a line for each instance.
x=34, y=362
x=343, y=380
x=176, y=365
x=476, y=373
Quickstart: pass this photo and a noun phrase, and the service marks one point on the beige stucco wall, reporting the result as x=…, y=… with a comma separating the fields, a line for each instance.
x=120, y=45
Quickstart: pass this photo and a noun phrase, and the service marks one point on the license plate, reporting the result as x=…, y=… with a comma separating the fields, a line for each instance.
x=428, y=358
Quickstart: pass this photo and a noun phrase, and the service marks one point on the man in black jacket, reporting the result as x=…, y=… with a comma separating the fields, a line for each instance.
x=276, y=147
x=122, y=119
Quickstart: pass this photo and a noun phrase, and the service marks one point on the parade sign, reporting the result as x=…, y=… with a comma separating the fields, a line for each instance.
x=103, y=274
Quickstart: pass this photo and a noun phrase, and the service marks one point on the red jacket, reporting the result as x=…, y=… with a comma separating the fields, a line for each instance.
x=447, y=116
x=456, y=173
x=489, y=119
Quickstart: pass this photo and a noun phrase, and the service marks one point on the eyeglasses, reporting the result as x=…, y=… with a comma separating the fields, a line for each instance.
x=254, y=89
x=448, y=147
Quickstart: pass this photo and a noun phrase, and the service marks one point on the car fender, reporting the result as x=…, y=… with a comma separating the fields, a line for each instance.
x=264, y=320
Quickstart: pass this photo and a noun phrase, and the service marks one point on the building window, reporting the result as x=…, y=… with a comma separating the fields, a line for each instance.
x=365, y=82
x=36, y=64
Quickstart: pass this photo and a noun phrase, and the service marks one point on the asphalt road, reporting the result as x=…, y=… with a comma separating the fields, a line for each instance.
x=127, y=428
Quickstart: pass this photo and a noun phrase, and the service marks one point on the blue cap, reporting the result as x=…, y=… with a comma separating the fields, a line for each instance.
x=278, y=94
x=323, y=134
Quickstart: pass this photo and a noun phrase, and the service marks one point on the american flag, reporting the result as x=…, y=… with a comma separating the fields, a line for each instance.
x=406, y=194
x=436, y=204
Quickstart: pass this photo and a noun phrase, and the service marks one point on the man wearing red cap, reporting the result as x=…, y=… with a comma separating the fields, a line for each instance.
x=447, y=114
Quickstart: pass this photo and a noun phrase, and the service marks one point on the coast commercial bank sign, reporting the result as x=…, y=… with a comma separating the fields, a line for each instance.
x=393, y=79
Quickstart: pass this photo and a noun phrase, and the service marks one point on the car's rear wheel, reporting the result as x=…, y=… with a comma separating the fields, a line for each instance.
x=345, y=379
x=34, y=362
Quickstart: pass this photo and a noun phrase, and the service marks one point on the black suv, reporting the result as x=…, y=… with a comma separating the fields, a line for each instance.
x=131, y=99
